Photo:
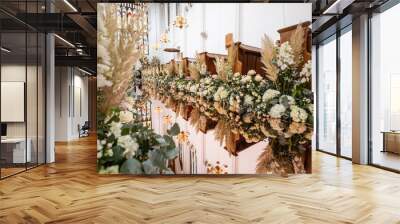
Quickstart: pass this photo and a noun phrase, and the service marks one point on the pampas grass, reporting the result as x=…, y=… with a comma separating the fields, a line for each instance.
x=296, y=42
x=194, y=72
x=119, y=49
x=267, y=55
x=220, y=66
x=195, y=118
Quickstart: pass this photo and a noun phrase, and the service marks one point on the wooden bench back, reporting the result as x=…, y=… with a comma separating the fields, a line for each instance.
x=244, y=57
x=186, y=62
x=209, y=60
x=287, y=32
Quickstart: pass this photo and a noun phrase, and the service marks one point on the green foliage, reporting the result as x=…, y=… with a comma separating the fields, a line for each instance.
x=151, y=156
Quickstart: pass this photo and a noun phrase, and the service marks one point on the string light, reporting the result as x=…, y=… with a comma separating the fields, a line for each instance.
x=167, y=119
x=183, y=137
x=158, y=110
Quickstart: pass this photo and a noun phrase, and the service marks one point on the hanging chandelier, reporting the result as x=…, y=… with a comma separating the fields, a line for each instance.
x=167, y=119
x=217, y=169
x=180, y=22
x=130, y=9
x=164, y=38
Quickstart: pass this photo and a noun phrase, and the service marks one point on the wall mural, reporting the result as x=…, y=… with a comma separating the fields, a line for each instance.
x=249, y=111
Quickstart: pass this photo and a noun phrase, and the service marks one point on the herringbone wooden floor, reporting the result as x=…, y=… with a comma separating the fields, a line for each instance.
x=70, y=191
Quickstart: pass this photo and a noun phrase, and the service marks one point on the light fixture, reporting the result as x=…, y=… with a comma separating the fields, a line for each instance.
x=156, y=46
x=180, y=22
x=217, y=169
x=84, y=71
x=164, y=38
x=158, y=110
x=64, y=40
x=167, y=119
x=5, y=50
x=183, y=137
x=70, y=5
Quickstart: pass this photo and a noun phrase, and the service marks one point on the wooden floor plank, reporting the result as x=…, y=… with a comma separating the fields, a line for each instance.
x=70, y=191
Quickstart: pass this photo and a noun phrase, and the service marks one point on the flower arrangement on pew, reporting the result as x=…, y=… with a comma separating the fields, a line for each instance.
x=286, y=110
x=277, y=108
x=124, y=144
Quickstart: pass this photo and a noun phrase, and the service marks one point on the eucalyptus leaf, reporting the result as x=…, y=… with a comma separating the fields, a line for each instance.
x=174, y=130
x=131, y=166
x=149, y=168
x=161, y=140
x=171, y=153
x=169, y=141
x=168, y=171
x=158, y=159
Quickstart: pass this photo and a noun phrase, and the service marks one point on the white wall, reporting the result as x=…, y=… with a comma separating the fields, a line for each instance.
x=33, y=126
x=247, y=21
x=70, y=83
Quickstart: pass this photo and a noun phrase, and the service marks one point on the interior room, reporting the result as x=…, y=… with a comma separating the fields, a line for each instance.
x=22, y=98
x=111, y=111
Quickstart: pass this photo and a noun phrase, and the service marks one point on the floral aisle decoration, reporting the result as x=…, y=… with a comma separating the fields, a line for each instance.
x=276, y=107
x=125, y=145
x=287, y=106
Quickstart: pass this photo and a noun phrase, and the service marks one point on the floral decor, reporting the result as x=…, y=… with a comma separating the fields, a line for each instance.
x=277, y=107
x=180, y=22
x=125, y=145
x=217, y=169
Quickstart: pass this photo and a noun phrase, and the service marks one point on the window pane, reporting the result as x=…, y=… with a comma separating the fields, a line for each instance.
x=346, y=94
x=385, y=84
x=14, y=153
x=327, y=96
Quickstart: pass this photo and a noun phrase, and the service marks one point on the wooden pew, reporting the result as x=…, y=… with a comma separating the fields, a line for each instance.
x=209, y=59
x=244, y=57
x=186, y=62
x=286, y=33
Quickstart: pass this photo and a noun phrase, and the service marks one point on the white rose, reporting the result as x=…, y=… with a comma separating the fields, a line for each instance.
x=115, y=129
x=277, y=111
x=129, y=144
x=236, y=75
x=223, y=94
x=246, y=79
x=248, y=100
x=258, y=78
x=193, y=89
x=251, y=72
x=125, y=116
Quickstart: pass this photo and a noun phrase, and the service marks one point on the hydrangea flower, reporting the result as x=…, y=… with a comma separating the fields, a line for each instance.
x=270, y=94
x=115, y=129
x=277, y=111
x=298, y=114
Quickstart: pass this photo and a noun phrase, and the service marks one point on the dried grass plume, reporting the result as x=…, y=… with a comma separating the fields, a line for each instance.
x=268, y=54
